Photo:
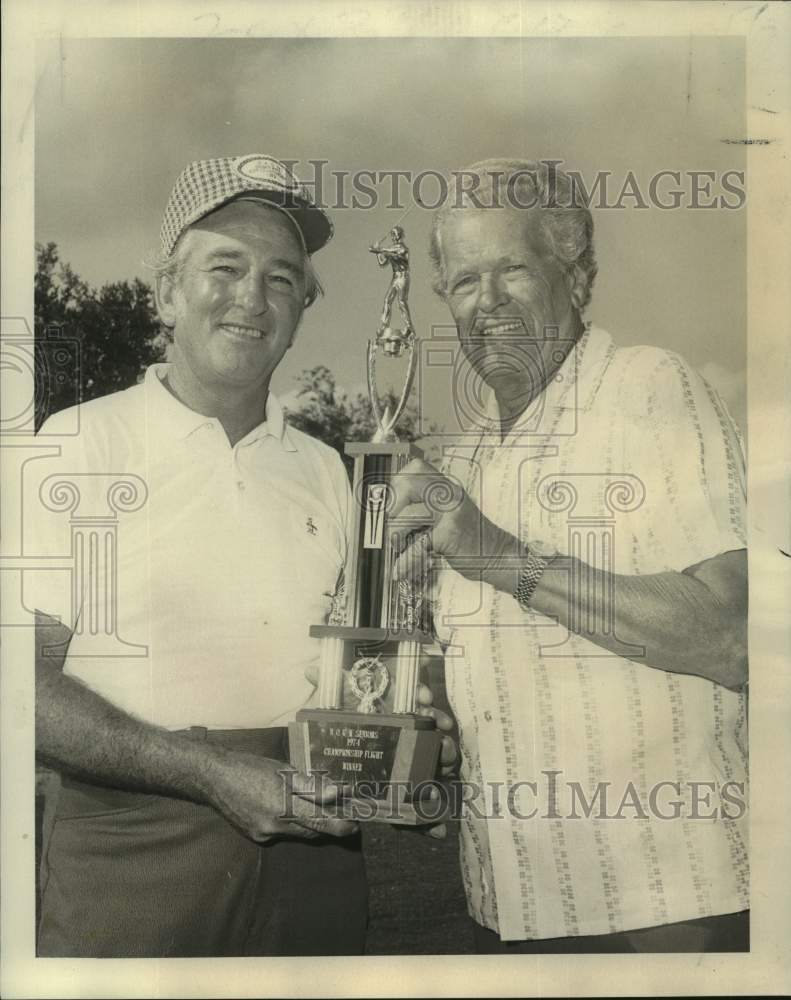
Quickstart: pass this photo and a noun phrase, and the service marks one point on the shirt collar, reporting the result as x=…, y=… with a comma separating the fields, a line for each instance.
x=178, y=422
x=275, y=424
x=582, y=372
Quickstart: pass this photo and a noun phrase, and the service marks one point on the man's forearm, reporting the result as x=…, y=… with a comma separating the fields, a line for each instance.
x=674, y=617
x=690, y=622
x=80, y=732
x=681, y=623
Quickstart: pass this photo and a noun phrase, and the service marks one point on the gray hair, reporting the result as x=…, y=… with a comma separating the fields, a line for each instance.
x=564, y=218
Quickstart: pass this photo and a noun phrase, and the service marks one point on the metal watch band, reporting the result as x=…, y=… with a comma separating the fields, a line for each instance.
x=531, y=572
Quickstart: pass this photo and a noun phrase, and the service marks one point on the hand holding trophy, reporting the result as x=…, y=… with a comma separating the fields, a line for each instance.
x=371, y=647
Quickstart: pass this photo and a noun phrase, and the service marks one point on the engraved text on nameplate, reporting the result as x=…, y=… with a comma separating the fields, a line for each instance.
x=353, y=753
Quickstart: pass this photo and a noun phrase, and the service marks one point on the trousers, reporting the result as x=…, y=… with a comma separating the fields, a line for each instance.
x=127, y=874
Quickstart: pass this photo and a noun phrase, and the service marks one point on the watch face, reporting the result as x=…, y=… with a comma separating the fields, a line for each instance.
x=545, y=550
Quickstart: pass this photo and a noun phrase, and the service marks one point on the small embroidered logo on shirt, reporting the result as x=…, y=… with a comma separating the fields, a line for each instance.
x=311, y=527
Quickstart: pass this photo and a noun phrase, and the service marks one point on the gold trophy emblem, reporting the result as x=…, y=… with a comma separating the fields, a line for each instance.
x=368, y=679
x=393, y=342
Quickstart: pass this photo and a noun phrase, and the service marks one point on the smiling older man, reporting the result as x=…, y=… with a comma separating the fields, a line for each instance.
x=592, y=602
x=172, y=834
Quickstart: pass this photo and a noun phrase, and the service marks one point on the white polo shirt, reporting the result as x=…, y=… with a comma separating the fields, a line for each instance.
x=190, y=569
x=630, y=462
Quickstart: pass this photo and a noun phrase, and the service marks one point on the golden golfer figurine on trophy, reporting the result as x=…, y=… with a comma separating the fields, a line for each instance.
x=365, y=732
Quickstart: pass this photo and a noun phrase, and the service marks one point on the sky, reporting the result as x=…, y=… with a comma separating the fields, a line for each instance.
x=118, y=119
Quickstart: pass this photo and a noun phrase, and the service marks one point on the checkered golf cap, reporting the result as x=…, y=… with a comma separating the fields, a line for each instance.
x=205, y=185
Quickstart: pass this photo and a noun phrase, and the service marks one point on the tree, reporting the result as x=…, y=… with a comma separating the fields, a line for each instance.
x=88, y=343
x=326, y=412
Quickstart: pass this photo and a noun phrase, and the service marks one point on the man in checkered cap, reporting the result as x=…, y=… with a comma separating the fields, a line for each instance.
x=168, y=836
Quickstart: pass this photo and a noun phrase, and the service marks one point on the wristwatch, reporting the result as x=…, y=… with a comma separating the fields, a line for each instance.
x=533, y=566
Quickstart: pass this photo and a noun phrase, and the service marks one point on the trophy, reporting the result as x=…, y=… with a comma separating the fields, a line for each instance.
x=365, y=732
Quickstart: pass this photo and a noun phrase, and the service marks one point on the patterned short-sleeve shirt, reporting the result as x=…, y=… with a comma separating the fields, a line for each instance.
x=603, y=794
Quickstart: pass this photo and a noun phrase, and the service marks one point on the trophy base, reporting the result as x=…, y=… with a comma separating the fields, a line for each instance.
x=389, y=762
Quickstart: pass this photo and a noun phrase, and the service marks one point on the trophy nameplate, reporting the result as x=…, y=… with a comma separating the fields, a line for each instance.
x=366, y=733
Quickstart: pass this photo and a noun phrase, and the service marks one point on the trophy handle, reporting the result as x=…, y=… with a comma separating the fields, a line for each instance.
x=330, y=693
x=387, y=421
x=405, y=695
